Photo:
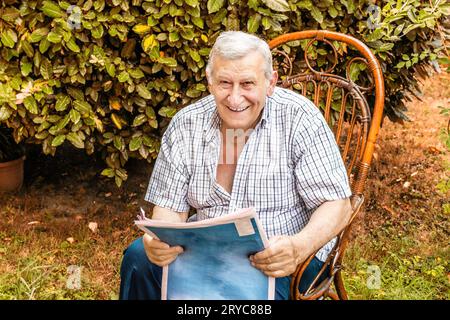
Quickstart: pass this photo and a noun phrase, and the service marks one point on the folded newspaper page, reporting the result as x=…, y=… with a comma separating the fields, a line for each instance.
x=215, y=263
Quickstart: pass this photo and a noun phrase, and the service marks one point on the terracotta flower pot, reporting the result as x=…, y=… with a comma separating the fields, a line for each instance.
x=11, y=175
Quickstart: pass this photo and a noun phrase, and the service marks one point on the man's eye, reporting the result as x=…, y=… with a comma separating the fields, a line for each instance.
x=248, y=83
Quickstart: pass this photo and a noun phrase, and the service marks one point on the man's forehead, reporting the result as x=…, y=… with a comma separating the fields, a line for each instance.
x=247, y=66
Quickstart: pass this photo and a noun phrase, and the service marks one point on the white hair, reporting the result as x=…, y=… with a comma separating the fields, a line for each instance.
x=232, y=45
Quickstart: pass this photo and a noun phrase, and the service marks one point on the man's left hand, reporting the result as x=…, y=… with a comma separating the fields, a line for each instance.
x=280, y=259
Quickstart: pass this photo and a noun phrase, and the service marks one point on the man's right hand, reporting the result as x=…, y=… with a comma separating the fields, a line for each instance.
x=160, y=253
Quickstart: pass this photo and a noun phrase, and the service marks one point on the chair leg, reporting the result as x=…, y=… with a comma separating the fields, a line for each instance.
x=332, y=295
x=339, y=284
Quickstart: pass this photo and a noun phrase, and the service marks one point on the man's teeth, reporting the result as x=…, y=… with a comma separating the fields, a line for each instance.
x=238, y=109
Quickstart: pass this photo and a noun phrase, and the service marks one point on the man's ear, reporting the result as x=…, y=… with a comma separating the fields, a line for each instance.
x=272, y=83
x=208, y=80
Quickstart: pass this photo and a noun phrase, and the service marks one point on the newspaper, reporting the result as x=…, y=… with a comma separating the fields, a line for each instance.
x=215, y=263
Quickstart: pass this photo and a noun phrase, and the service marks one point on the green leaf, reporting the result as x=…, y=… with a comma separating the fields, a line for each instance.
x=253, y=4
x=44, y=45
x=400, y=65
x=46, y=69
x=149, y=42
x=151, y=21
x=445, y=8
x=142, y=29
x=62, y=101
x=123, y=76
x=75, y=116
x=5, y=113
x=8, y=38
x=111, y=69
x=333, y=12
x=277, y=5
x=375, y=35
x=253, y=23
x=75, y=93
x=198, y=22
x=97, y=32
x=168, y=112
x=10, y=14
x=171, y=62
x=82, y=106
x=118, y=143
x=153, y=123
x=38, y=34
x=52, y=10
x=215, y=5
x=109, y=172
x=27, y=48
x=25, y=68
x=54, y=37
x=317, y=14
x=187, y=34
x=150, y=113
x=136, y=73
x=140, y=119
x=118, y=181
x=174, y=37
x=63, y=122
x=385, y=47
x=31, y=104
x=135, y=143
x=143, y=91
x=71, y=44
x=192, y=3
x=58, y=140
x=76, y=140
x=194, y=55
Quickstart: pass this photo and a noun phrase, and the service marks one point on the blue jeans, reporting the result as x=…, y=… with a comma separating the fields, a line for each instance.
x=141, y=279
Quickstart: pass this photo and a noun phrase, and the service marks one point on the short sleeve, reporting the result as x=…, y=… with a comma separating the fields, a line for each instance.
x=320, y=172
x=168, y=184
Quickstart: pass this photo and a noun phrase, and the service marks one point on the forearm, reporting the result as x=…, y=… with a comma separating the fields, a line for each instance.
x=165, y=214
x=325, y=223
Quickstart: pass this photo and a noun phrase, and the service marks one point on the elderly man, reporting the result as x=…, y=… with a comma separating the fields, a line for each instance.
x=248, y=144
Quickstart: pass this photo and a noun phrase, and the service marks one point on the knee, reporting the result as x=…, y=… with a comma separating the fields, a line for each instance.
x=134, y=256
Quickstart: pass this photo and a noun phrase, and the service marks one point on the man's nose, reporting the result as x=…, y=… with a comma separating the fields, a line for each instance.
x=235, y=96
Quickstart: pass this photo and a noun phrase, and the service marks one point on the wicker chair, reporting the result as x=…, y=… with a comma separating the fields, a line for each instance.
x=346, y=108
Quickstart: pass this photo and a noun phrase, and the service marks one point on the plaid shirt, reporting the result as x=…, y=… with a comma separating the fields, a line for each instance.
x=288, y=167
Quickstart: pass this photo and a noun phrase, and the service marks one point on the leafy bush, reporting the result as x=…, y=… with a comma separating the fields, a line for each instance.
x=107, y=75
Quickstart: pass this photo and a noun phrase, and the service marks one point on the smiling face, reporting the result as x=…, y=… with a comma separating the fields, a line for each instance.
x=240, y=89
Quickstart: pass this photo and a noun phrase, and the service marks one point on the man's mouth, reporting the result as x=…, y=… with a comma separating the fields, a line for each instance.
x=238, y=109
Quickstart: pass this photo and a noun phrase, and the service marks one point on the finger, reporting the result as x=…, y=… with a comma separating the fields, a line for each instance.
x=277, y=270
x=163, y=256
x=167, y=251
x=165, y=262
x=157, y=244
x=270, y=267
x=277, y=274
x=268, y=256
x=262, y=256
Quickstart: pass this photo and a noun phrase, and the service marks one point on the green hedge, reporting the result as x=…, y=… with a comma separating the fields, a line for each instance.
x=107, y=76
